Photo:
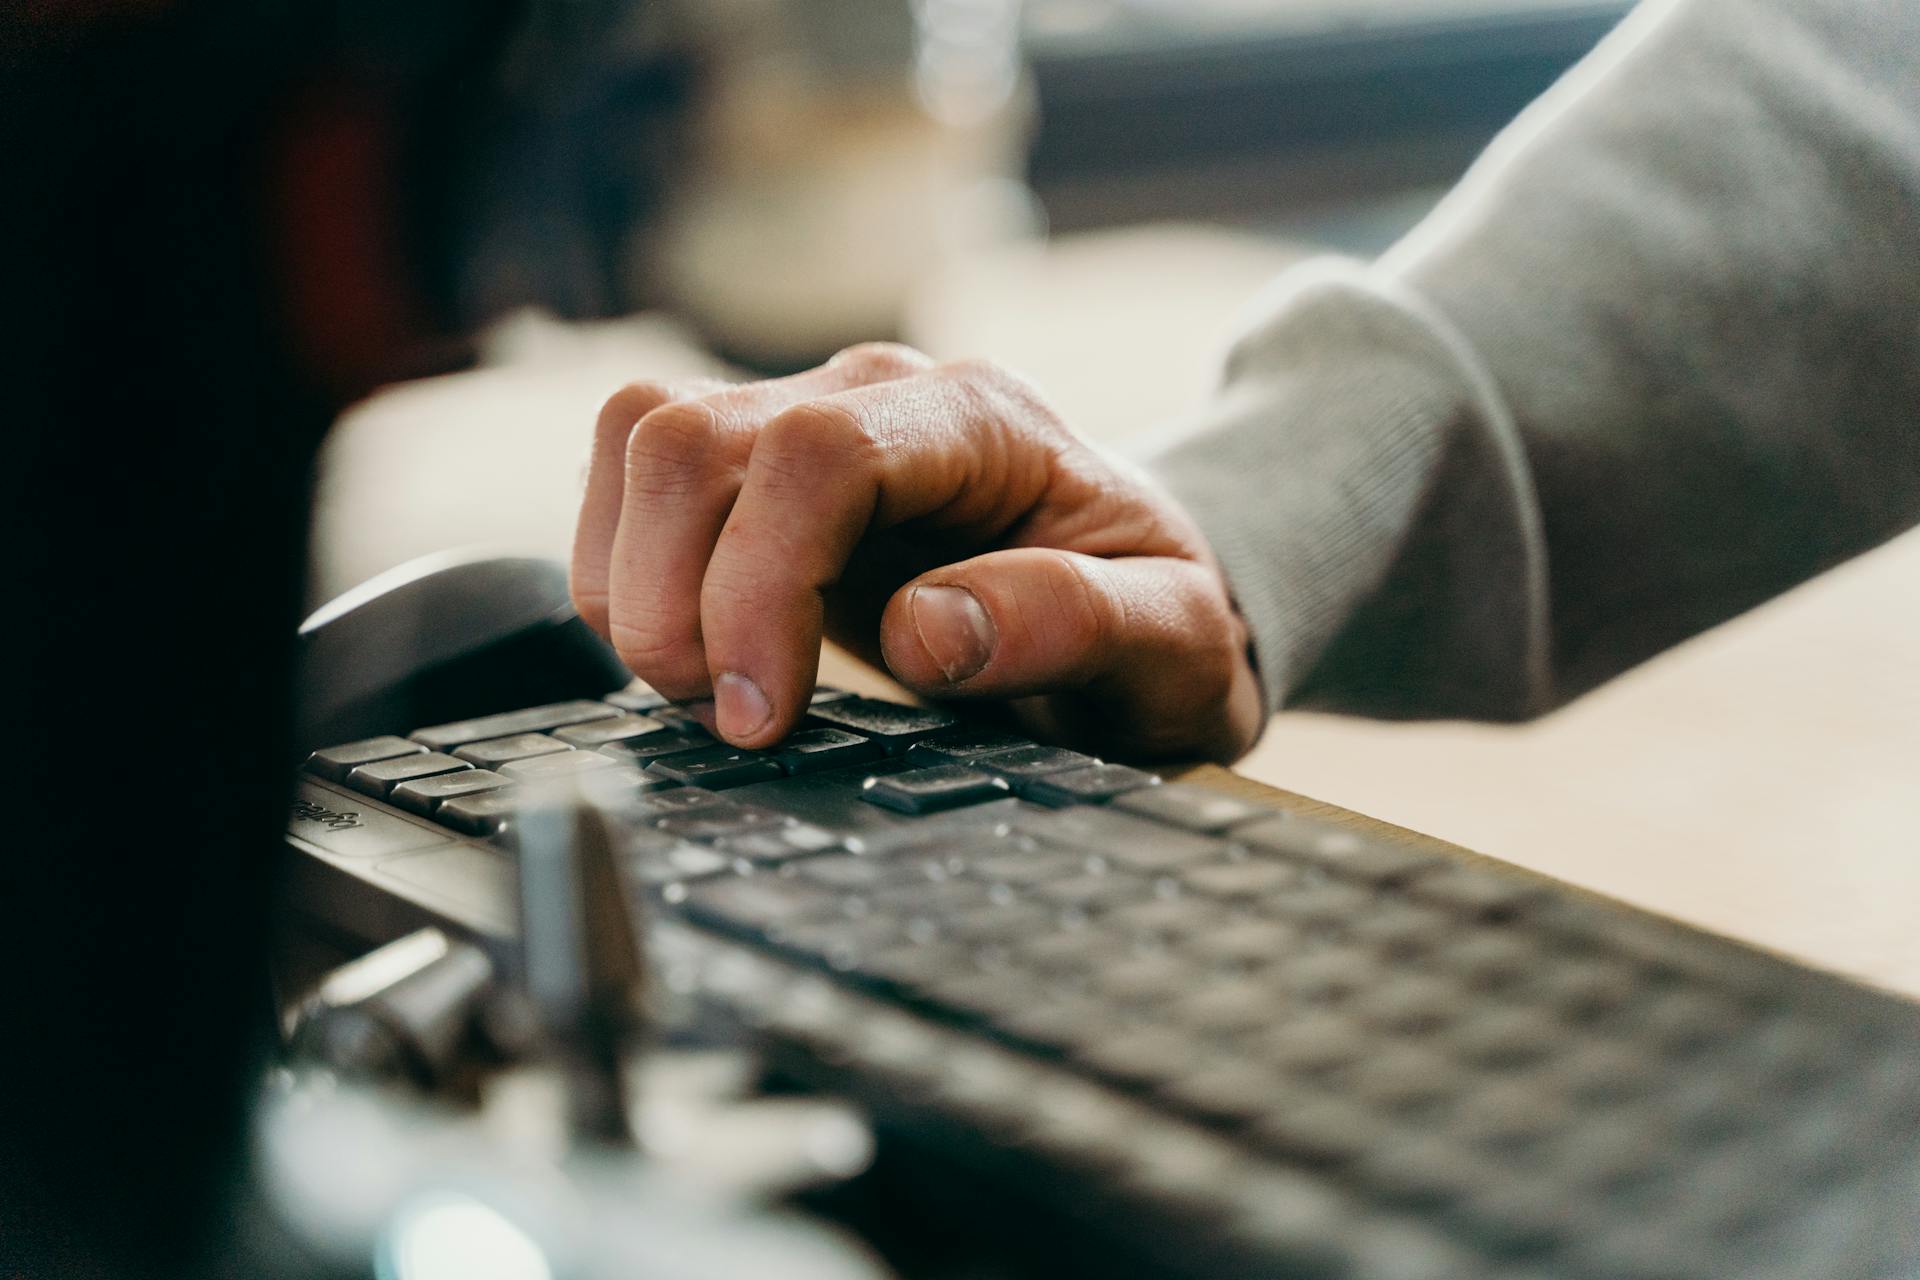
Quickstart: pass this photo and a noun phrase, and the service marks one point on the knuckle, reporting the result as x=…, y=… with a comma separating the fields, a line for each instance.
x=631, y=403
x=673, y=446
x=808, y=438
x=879, y=361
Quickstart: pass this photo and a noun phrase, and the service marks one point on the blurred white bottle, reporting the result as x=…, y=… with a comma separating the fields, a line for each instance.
x=841, y=151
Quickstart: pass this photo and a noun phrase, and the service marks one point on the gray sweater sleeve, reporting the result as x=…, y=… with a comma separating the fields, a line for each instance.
x=1655, y=359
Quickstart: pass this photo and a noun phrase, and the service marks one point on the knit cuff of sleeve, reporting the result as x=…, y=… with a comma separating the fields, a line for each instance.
x=1367, y=495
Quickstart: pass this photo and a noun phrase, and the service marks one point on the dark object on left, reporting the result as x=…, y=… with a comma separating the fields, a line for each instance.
x=214, y=234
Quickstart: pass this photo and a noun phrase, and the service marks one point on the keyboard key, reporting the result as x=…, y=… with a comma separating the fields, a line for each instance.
x=442, y=737
x=1141, y=1057
x=343, y=826
x=771, y=844
x=958, y=746
x=1169, y=917
x=1237, y=1004
x=495, y=752
x=1122, y=839
x=718, y=821
x=1317, y=1041
x=1094, y=893
x=490, y=813
x=336, y=763
x=674, y=800
x=1023, y=764
x=1239, y=1093
x=1028, y=866
x=1253, y=878
x=1342, y=852
x=941, y=786
x=716, y=767
x=1094, y=784
x=598, y=733
x=811, y=750
x=893, y=726
x=1243, y=942
x=1322, y=1130
x=756, y=903
x=1191, y=807
x=565, y=764
x=651, y=746
x=638, y=696
x=655, y=865
x=1478, y=891
x=425, y=795
x=381, y=777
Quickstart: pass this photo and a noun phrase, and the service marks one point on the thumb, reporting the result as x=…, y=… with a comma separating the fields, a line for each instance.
x=1154, y=639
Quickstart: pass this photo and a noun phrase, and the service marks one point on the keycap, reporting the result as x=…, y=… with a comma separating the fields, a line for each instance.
x=1322, y=1130
x=638, y=696
x=1145, y=978
x=957, y=746
x=1023, y=764
x=494, y=752
x=1093, y=893
x=929, y=790
x=649, y=746
x=441, y=737
x=562, y=765
x=490, y=813
x=1242, y=942
x=894, y=727
x=1228, y=1004
x=1027, y=866
x=1475, y=890
x=716, y=768
x=337, y=762
x=1239, y=1092
x=1193, y=808
x=1094, y=784
x=346, y=827
x=674, y=862
x=772, y=844
x=424, y=795
x=1121, y=838
x=1254, y=878
x=598, y=733
x=1410, y=1002
x=1342, y=852
x=811, y=750
x=1169, y=917
x=755, y=903
x=717, y=821
x=1402, y=1078
x=677, y=799
x=383, y=776
x=1316, y=1041
x=1142, y=1056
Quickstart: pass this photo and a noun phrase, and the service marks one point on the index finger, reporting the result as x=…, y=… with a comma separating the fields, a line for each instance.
x=943, y=448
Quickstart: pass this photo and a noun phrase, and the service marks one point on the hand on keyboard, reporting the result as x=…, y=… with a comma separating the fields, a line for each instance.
x=938, y=517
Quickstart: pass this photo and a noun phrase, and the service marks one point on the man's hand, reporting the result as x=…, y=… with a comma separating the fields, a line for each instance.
x=936, y=517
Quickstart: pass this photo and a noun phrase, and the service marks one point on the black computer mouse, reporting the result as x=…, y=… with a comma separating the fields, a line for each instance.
x=446, y=637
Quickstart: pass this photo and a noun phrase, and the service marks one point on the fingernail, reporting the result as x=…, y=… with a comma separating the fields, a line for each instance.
x=739, y=708
x=955, y=630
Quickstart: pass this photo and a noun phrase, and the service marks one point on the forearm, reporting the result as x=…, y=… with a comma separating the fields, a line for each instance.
x=1678, y=299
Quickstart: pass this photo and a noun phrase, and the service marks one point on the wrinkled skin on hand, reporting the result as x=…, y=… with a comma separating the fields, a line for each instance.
x=938, y=519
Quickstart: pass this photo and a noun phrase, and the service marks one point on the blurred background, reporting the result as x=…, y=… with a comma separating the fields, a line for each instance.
x=1090, y=191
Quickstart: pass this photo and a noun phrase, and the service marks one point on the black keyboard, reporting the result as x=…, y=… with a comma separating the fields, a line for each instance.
x=1227, y=1038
